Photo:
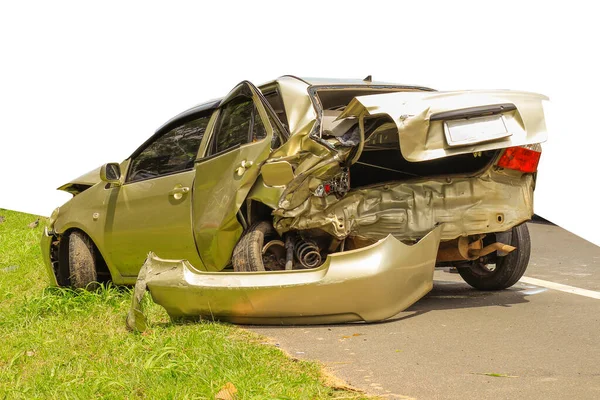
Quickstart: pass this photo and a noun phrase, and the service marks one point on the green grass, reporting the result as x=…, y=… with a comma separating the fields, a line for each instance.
x=60, y=343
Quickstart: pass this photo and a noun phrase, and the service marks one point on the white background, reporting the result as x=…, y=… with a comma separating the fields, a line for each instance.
x=83, y=84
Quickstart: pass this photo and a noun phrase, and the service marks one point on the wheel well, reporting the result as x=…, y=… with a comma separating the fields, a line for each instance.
x=256, y=211
x=62, y=275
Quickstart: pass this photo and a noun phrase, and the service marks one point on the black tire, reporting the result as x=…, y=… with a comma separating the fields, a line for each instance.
x=82, y=261
x=247, y=254
x=509, y=269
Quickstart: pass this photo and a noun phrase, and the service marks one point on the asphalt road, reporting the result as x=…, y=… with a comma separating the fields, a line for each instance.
x=527, y=342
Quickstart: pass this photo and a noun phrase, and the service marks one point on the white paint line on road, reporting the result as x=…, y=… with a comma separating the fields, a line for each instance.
x=534, y=290
x=559, y=286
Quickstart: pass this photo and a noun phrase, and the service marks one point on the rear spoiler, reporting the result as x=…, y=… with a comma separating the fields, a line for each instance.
x=471, y=112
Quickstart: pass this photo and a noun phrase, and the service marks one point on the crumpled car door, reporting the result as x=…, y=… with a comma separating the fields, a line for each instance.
x=226, y=173
x=439, y=124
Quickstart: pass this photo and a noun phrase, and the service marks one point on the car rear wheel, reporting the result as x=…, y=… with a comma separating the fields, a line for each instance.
x=259, y=249
x=82, y=261
x=500, y=272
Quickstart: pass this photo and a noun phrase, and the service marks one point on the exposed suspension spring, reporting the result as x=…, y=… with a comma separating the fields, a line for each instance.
x=307, y=253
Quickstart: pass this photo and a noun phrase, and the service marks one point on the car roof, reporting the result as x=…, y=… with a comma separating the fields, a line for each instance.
x=309, y=81
x=312, y=81
x=342, y=82
x=209, y=105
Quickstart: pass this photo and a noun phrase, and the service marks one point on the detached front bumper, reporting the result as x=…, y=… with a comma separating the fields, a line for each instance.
x=368, y=284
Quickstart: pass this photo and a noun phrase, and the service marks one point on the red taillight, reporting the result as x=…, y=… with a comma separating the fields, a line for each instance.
x=520, y=159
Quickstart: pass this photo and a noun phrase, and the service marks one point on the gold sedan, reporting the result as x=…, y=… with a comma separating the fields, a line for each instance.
x=310, y=200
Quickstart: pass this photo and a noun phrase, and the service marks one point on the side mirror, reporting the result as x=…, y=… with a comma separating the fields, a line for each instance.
x=111, y=173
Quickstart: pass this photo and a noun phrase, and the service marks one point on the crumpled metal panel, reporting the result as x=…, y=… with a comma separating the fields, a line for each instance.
x=299, y=109
x=492, y=202
x=89, y=178
x=368, y=284
x=422, y=139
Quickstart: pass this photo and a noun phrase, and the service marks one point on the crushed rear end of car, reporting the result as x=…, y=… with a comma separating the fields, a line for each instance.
x=378, y=185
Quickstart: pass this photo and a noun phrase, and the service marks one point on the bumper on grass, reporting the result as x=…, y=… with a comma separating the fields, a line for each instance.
x=368, y=284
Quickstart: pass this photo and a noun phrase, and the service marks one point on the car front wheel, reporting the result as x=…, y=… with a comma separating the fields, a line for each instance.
x=500, y=272
x=82, y=261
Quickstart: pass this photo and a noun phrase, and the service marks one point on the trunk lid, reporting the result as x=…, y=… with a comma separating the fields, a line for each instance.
x=432, y=125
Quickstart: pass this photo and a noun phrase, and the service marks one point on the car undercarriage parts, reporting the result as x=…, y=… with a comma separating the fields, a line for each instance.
x=296, y=252
x=464, y=248
x=273, y=255
x=289, y=252
x=504, y=248
x=307, y=253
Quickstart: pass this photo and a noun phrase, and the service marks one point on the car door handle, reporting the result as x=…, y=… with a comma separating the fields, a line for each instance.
x=244, y=165
x=178, y=191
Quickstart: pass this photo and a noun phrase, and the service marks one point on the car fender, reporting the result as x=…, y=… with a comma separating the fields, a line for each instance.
x=87, y=212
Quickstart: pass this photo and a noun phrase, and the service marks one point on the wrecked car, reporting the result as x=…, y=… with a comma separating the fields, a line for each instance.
x=310, y=201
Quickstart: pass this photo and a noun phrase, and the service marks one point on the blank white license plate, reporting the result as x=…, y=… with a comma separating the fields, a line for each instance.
x=462, y=132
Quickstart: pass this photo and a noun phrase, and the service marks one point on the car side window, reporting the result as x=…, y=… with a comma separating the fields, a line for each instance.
x=239, y=123
x=258, y=128
x=276, y=103
x=174, y=151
